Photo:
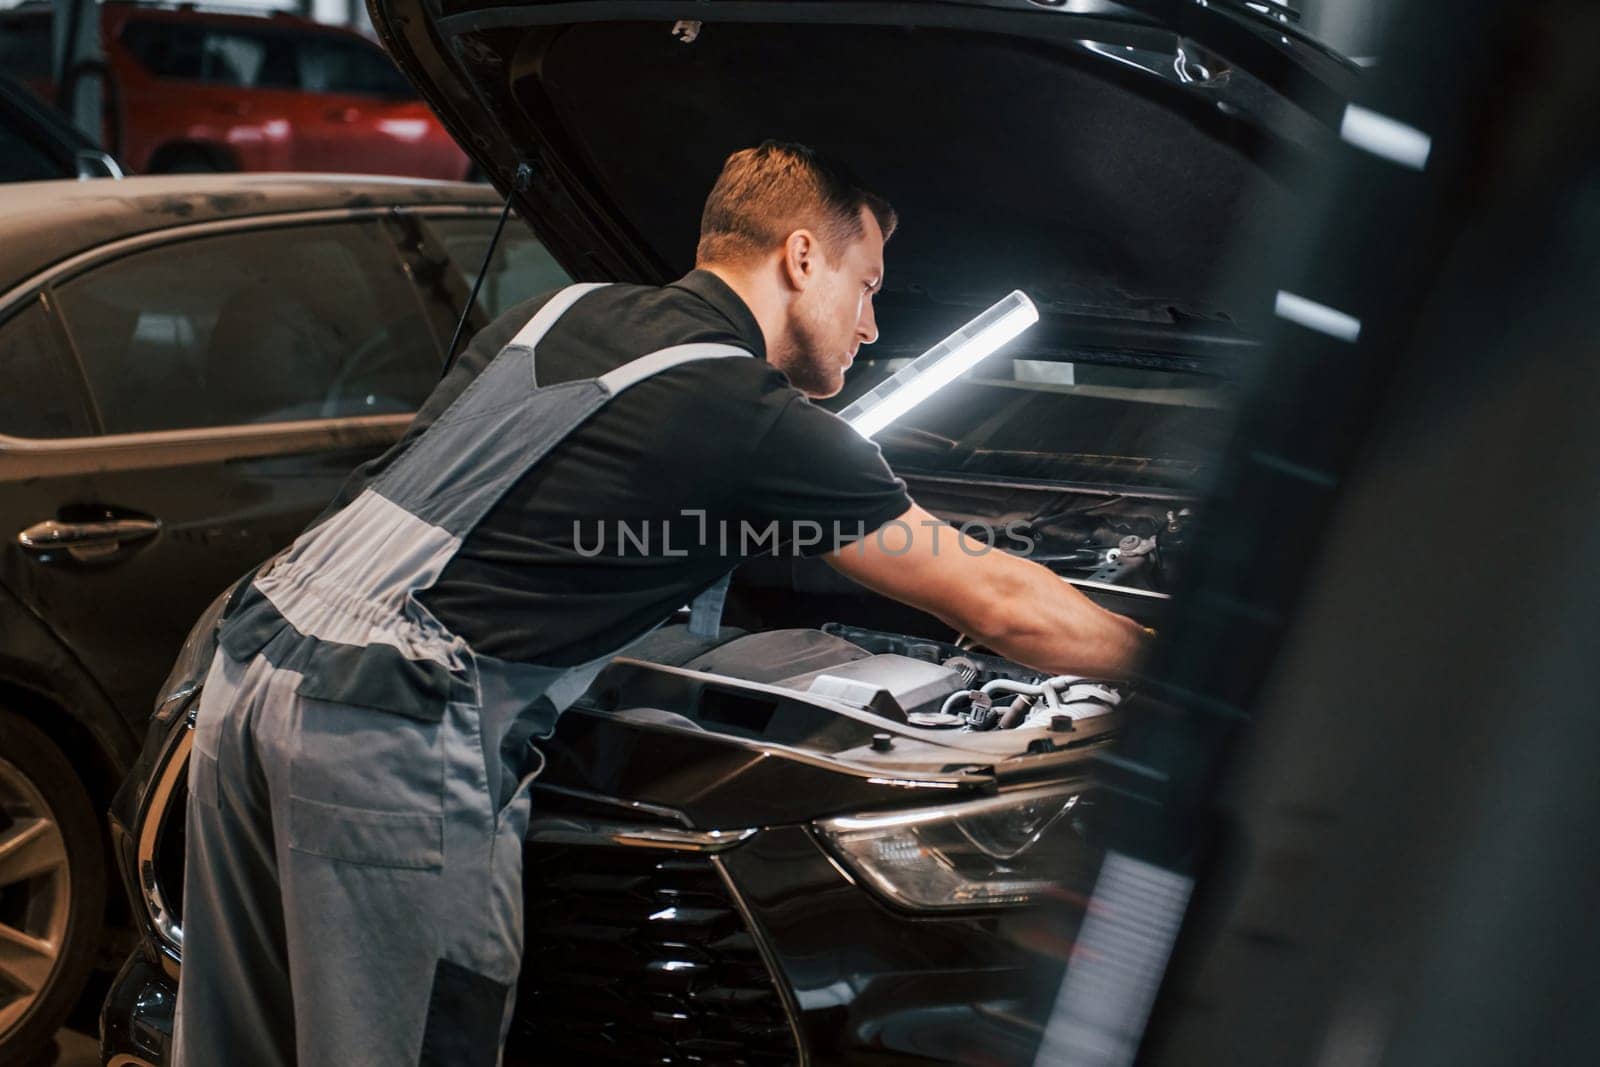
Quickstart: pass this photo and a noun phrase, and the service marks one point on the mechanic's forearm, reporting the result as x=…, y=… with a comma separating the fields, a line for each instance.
x=1042, y=621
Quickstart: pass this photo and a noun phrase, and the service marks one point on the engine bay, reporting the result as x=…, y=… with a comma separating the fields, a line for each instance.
x=1134, y=543
x=911, y=680
x=810, y=659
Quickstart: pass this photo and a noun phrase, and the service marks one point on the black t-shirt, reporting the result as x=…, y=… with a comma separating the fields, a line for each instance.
x=593, y=546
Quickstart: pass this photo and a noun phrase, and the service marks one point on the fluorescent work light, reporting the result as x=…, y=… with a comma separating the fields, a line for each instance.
x=941, y=364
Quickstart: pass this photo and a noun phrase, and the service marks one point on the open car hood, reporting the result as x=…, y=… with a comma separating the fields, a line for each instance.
x=1099, y=156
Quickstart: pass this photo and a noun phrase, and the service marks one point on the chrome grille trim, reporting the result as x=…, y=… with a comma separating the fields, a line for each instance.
x=567, y=830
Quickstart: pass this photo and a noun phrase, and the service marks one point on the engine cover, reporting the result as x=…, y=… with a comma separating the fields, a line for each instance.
x=891, y=685
x=822, y=664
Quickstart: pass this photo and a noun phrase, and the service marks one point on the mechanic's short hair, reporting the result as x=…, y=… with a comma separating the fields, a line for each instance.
x=766, y=193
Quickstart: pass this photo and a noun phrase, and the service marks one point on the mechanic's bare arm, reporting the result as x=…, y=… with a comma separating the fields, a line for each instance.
x=1012, y=605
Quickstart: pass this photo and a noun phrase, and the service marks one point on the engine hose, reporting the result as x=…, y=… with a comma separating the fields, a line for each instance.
x=1052, y=686
x=1013, y=716
x=1006, y=685
x=948, y=708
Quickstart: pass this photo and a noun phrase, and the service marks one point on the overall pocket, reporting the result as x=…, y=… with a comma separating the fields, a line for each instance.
x=366, y=786
x=518, y=806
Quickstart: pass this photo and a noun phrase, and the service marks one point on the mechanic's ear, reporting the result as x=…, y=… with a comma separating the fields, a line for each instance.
x=800, y=258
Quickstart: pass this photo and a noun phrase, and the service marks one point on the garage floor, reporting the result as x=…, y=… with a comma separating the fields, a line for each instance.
x=78, y=1043
x=72, y=1049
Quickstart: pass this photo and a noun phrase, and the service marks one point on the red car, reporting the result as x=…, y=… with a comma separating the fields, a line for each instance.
x=195, y=90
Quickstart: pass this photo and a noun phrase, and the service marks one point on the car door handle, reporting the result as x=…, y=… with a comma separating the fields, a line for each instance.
x=87, y=541
x=344, y=114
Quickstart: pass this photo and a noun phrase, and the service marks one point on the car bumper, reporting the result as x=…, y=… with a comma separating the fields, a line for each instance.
x=767, y=952
x=136, y=1020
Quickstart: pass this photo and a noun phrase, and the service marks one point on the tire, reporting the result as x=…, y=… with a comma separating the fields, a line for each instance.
x=52, y=888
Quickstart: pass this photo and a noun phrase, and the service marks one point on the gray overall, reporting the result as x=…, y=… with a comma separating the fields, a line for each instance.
x=360, y=776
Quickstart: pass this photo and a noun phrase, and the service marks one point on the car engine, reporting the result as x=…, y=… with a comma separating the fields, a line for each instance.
x=911, y=680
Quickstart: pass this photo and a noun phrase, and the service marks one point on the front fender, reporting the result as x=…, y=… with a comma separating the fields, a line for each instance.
x=142, y=795
x=33, y=659
x=173, y=699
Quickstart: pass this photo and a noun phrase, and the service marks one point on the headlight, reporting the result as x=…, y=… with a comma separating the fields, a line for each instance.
x=1013, y=849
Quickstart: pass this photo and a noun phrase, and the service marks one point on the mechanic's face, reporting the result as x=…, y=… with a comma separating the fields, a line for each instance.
x=831, y=317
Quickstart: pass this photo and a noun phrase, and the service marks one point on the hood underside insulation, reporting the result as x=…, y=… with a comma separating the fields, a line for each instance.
x=1013, y=163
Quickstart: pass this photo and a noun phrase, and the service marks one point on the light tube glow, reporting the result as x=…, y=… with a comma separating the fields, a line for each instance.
x=941, y=364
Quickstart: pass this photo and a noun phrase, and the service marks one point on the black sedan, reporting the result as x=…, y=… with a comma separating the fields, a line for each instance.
x=839, y=833
x=191, y=365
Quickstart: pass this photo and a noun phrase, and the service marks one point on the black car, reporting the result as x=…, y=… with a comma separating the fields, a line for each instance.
x=38, y=143
x=191, y=366
x=806, y=841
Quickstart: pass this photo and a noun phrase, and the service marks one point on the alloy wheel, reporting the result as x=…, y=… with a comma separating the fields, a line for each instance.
x=35, y=894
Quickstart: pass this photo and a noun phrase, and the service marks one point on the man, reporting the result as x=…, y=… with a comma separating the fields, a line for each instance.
x=359, y=780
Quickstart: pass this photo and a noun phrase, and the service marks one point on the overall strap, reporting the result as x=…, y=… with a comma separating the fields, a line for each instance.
x=646, y=366
x=400, y=533
x=533, y=331
x=485, y=438
x=705, y=610
x=705, y=613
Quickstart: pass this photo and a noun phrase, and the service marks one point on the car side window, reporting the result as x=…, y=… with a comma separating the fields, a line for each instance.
x=166, y=49
x=220, y=56
x=255, y=60
x=333, y=65
x=42, y=397
x=273, y=325
x=521, y=267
